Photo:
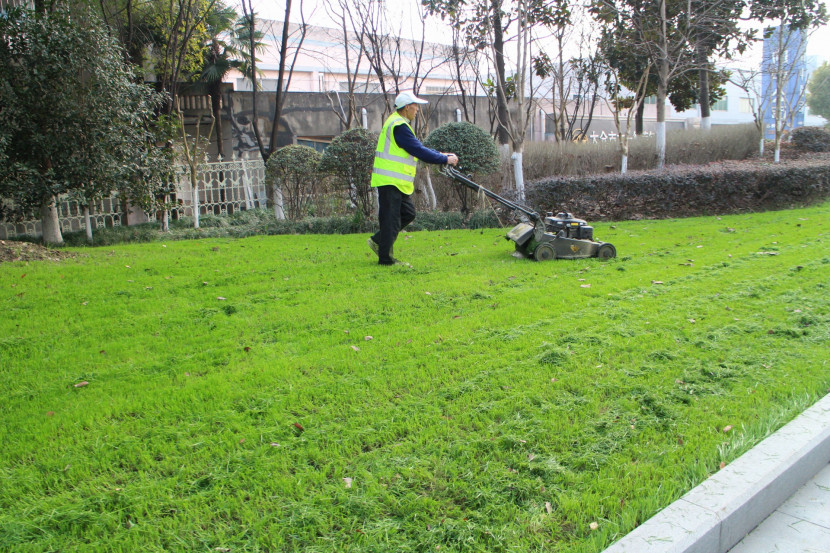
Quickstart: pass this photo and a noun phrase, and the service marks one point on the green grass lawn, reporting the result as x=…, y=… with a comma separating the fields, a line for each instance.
x=288, y=394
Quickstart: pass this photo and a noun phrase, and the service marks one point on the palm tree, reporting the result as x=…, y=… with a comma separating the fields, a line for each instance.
x=224, y=51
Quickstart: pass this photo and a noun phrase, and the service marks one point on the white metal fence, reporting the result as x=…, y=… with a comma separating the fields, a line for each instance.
x=224, y=188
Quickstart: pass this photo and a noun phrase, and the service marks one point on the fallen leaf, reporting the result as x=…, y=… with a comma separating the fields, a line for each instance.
x=722, y=464
x=428, y=293
x=367, y=338
x=692, y=321
x=593, y=526
x=657, y=282
x=531, y=457
x=102, y=352
x=241, y=440
x=554, y=380
x=348, y=482
x=23, y=275
x=127, y=266
x=247, y=349
x=548, y=507
x=85, y=303
x=584, y=285
x=727, y=428
x=299, y=427
x=204, y=283
x=355, y=348
x=274, y=444
x=50, y=413
x=220, y=298
x=82, y=384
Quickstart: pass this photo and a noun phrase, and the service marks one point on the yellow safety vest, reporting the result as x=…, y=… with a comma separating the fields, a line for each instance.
x=393, y=166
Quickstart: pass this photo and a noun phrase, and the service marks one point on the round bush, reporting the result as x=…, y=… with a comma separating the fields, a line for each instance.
x=475, y=148
x=349, y=159
x=811, y=139
x=295, y=171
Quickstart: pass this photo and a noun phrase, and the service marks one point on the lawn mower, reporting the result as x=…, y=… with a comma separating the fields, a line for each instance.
x=553, y=237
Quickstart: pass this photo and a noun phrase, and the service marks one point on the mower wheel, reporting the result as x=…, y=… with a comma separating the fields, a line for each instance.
x=544, y=252
x=606, y=251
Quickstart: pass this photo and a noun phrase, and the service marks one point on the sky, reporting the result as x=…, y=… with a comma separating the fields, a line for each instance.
x=818, y=43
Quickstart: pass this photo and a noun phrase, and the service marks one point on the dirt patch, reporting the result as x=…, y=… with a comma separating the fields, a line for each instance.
x=26, y=251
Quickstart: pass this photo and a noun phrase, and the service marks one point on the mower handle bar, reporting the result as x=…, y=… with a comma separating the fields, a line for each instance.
x=462, y=178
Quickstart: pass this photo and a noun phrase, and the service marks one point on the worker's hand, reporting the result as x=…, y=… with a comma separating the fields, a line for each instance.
x=452, y=159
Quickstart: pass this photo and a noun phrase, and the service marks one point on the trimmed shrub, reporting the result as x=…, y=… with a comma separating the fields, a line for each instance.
x=685, y=191
x=475, y=148
x=349, y=159
x=295, y=171
x=811, y=139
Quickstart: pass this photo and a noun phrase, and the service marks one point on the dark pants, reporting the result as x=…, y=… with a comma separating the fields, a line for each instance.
x=395, y=211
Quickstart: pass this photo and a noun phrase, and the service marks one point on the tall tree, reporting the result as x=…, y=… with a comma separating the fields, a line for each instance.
x=664, y=32
x=89, y=136
x=225, y=50
x=287, y=61
x=714, y=28
x=493, y=25
x=351, y=33
x=792, y=22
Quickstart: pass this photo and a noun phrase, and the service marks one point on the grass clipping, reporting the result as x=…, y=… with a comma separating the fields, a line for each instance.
x=25, y=251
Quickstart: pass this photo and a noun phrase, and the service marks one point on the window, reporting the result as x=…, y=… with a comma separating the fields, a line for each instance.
x=720, y=105
x=316, y=143
x=747, y=105
x=650, y=100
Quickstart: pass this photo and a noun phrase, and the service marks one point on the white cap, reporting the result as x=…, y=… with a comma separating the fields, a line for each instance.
x=406, y=98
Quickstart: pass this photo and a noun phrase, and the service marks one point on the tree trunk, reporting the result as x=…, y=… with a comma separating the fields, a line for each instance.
x=165, y=217
x=216, y=106
x=703, y=78
x=662, y=87
x=518, y=171
x=431, y=197
x=276, y=194
x=49, y=222
x=501, y=100
x=194, y=187
x=638, y=119
x=761, y=147
x=88, y=223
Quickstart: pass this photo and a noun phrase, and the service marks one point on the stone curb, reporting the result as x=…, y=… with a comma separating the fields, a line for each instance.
x=718, y=513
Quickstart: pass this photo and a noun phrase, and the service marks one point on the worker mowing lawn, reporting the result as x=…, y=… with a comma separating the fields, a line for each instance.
x=393, y=174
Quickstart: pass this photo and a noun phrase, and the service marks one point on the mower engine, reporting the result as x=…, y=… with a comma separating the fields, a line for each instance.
x=565, y=225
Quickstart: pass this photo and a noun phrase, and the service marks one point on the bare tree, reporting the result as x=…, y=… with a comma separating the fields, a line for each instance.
x=571, y=82
x=784, y=79
x=287, y=61
x=749, y=80
x=351, y=31
x=619, y=102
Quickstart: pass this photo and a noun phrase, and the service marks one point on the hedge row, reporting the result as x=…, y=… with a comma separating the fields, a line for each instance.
x=262, y=222
x=683, y=191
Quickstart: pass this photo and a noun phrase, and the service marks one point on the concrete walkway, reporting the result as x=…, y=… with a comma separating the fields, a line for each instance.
x=785, y=476
x=800, y=525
